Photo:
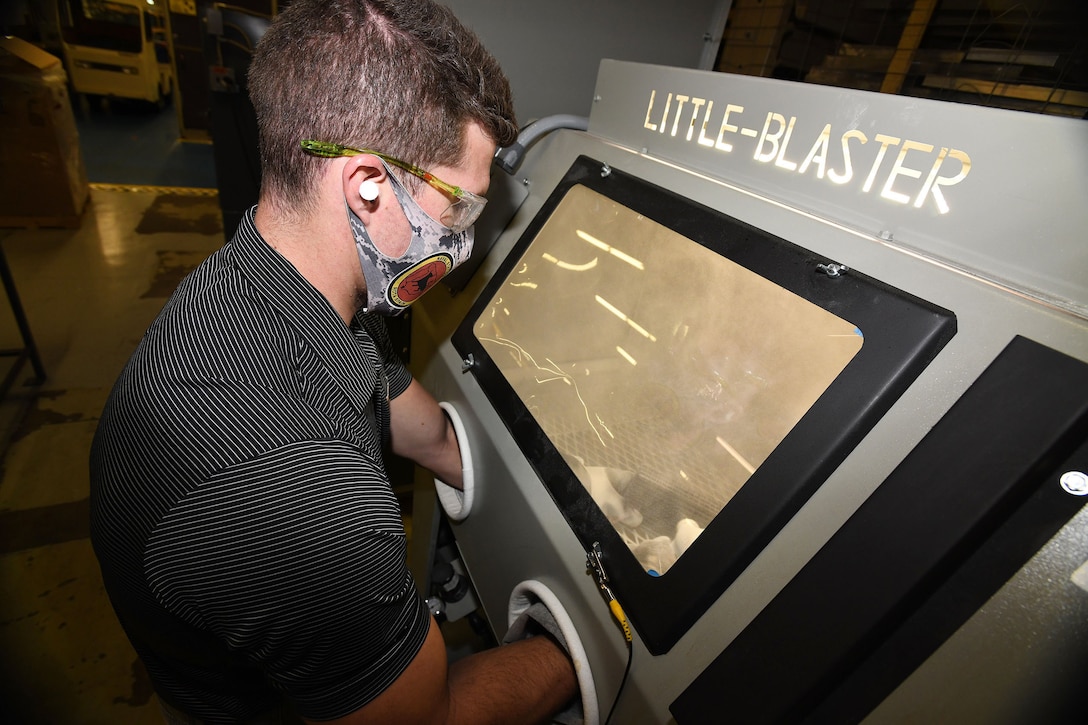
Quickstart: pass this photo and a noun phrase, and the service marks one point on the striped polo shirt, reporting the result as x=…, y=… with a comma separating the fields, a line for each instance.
x=246, y=529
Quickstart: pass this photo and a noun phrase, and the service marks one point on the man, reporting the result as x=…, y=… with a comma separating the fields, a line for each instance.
x=246, y=529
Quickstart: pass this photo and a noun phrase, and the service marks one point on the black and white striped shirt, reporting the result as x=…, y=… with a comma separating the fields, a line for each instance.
x=248, y=536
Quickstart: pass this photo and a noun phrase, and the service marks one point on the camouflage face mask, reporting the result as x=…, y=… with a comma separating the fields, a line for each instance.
x=435, y=250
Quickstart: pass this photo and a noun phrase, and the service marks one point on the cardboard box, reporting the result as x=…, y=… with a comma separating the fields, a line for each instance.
x=43, y=181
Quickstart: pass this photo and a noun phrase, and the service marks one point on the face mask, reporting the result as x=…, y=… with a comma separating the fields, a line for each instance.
x=393, y=284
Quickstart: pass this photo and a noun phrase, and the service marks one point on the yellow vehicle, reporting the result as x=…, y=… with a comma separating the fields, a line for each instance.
x=117, y=48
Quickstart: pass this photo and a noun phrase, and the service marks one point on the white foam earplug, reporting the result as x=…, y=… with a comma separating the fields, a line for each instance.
x=369, y=190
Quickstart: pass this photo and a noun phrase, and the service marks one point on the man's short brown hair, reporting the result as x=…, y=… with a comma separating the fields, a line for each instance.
x=403, y=77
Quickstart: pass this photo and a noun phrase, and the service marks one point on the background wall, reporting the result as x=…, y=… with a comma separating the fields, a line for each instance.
x=551, y=50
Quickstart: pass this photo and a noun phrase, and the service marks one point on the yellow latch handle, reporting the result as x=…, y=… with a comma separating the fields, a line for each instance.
x=617, y=612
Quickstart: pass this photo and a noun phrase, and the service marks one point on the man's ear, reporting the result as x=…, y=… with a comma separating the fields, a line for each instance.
x=364, y=185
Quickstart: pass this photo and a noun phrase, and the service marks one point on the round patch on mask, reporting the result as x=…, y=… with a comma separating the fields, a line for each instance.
x=413, y=282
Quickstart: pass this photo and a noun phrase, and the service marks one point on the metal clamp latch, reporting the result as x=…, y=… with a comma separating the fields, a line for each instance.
x=595, y=564
x=833, y=270
x=596, y=568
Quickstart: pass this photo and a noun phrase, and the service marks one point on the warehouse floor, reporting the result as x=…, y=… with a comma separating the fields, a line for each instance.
x=89, y=294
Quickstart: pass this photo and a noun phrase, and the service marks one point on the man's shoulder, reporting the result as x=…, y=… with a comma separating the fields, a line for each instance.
x=217, y=325
x=215, y=299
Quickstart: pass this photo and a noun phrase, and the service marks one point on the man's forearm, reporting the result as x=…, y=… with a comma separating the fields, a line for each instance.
x=444, y=460
x=422, y=432
x=482, y=691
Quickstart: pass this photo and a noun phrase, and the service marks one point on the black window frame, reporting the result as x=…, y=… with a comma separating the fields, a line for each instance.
x=903, y=333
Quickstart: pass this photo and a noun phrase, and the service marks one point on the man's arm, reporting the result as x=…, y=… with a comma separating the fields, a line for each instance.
x=524, y=682
x=422, y=432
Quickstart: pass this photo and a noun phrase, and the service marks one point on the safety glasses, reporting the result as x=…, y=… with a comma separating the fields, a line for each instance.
x=461, y=214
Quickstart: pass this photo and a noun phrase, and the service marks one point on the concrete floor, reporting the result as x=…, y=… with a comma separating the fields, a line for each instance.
x=89, y=294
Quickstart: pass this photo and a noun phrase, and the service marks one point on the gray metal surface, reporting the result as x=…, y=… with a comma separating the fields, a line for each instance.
x=1017, y=217
x=1008, y=258
x=1019, y=659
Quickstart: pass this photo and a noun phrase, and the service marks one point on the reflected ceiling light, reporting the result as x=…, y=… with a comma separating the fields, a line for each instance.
x=567, y=265
x=733, y=452
x=615, y=311
x=611, y=250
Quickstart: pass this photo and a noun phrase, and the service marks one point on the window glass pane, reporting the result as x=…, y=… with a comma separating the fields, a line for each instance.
x=663, y=372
